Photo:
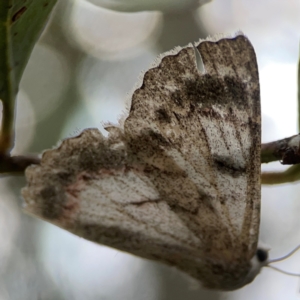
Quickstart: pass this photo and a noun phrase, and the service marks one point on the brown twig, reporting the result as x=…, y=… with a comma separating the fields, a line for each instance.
x=287, y=151
x=16, y=165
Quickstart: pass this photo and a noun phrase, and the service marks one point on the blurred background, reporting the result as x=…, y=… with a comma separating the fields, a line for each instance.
x=87, y=60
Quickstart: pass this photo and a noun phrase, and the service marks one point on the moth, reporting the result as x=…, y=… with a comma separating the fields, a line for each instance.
x=178, y=180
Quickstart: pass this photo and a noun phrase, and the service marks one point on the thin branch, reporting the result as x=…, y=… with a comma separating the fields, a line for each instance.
x=286, y=150
x=16, y=165
x=292, y=174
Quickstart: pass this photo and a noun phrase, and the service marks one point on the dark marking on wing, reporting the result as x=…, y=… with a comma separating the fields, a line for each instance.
x=140, y=203
x=205, y=198
x=177, y=98
x=176, y=116
x=155, y=136
x=162, y=115
x=209, y=90
x=49, y=211
x=228, y=164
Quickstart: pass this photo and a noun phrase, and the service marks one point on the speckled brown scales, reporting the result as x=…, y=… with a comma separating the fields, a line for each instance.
x=180, y=182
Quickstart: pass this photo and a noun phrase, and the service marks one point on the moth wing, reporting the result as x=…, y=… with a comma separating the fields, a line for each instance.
x=205, y=126
x=92, y=187
x=180, y=183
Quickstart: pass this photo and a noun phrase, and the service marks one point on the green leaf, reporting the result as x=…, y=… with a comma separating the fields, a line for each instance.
x=21, y=22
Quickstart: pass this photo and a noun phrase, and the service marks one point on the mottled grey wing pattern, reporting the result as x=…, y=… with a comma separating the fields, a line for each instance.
x=180, y=182
x=207, y=126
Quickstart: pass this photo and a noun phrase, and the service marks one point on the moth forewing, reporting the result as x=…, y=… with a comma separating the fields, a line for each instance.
x=210, y=125
x=179, y=182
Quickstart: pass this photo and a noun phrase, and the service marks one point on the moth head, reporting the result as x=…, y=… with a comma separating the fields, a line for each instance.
x=259, y=260
x=233, y=276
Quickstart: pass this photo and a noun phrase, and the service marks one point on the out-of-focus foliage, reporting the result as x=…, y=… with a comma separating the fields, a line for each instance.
x=138, y=5
x=21, y=23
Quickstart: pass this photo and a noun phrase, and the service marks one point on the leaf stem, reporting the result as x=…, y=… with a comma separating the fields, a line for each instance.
x=292, y=174
x=8, y=90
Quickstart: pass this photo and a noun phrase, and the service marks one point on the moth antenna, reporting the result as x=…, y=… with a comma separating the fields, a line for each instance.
x=284, y=272
x=284, y=257
x=199, y=61
x=281, y=259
